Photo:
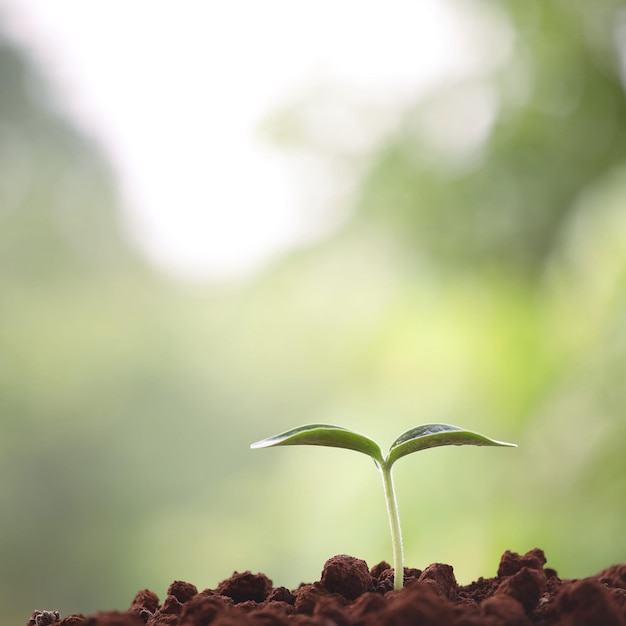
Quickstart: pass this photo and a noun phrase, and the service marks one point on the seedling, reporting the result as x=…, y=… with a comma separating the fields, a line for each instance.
x=414, y=440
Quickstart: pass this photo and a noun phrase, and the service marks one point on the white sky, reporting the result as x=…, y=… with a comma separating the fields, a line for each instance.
x=175, y=93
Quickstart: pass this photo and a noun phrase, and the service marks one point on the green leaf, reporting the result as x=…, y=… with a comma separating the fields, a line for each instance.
x=324, y=435
x=434, y=435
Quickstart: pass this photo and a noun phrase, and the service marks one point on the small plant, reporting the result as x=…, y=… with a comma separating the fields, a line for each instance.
x=419, y=438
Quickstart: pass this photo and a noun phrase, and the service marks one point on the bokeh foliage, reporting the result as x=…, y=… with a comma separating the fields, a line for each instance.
x=481, y=280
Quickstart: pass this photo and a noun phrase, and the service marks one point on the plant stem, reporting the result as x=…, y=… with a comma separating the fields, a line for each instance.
x=394, y=525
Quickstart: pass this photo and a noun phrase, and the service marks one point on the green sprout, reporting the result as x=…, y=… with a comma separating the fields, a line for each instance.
x=419, y=438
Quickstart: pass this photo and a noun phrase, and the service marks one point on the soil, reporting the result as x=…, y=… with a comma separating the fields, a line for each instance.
x=523, y=593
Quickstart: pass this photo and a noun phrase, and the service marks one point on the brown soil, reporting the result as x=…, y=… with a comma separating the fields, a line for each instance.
x=523, y=593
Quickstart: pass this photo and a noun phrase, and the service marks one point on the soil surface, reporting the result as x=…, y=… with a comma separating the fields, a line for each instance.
x=523, y=593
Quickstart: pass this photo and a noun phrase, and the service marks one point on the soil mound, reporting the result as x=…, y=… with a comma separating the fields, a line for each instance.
x=349, y=593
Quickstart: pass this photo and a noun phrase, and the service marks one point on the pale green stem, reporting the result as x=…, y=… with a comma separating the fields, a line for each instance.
x=394, y=524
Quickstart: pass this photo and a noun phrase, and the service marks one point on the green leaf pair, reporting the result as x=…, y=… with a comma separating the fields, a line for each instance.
x=414, y=440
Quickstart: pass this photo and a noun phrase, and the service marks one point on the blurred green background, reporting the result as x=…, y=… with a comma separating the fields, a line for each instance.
x=480, y=280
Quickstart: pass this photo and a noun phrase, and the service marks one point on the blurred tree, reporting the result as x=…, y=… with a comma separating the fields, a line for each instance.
x=553, y=119
x=56, y=190
x=60, y=252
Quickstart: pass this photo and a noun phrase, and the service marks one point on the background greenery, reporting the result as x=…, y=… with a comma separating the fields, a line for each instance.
x=481, y=280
